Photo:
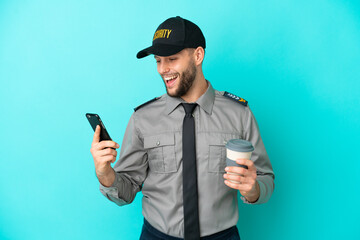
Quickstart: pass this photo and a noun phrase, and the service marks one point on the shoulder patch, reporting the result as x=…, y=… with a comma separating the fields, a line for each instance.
x=146, y=103
x=235, y=98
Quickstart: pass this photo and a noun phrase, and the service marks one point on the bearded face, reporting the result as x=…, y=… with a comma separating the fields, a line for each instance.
x=178, y=72
x=185, y=81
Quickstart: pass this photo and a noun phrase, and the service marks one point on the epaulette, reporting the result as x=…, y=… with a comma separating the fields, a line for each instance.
x=236, y=98
x=146, y=103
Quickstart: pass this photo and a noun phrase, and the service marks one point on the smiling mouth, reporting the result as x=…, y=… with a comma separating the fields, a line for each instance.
x=170, y=81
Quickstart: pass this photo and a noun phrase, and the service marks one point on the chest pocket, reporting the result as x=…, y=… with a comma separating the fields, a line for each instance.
x=161, y=152
x=217, y=151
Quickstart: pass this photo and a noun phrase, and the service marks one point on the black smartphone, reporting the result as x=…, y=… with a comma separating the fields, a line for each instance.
x=95, y=120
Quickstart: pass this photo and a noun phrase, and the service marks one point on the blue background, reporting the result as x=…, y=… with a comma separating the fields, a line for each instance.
x=296, y=62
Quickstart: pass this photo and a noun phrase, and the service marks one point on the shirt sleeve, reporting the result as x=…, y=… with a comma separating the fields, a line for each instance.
x=265, y=173
x=130, y=169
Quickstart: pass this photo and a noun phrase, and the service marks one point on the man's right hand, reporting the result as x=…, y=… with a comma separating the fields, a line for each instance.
x=104, y=154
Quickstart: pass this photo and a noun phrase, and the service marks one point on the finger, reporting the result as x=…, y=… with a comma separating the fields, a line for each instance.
x=96, y=137
x=235, y=177
x=106, y=152
x=238, y=170
x=250, y=175
x=240, y=179
x=107, y=144
x=232, y=184
x=250, y=164
x=239, y=186
x=235, y=185
x=108, y=158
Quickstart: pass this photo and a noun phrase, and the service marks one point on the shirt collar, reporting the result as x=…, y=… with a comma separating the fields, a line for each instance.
x=206, y=101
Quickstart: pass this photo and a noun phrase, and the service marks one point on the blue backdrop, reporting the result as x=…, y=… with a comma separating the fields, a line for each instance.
x=296, y=62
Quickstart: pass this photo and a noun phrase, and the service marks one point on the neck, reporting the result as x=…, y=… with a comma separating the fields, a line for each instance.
x=198, y=88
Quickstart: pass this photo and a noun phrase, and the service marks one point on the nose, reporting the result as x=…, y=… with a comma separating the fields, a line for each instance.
x=163, y=67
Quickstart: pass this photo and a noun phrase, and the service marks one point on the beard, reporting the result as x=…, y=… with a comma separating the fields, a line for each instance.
x=186, y=79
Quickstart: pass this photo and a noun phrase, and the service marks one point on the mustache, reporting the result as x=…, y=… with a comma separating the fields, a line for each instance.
x=169, y=74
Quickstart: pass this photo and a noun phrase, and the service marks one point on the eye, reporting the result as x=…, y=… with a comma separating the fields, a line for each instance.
x=172, y=59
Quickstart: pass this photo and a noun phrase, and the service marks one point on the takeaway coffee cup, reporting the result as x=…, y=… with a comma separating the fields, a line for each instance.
x=235, y=149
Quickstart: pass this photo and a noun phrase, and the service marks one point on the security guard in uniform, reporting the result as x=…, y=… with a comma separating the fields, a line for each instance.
x=152, y=158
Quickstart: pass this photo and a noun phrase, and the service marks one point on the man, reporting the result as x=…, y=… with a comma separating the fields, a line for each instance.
x=174, y=148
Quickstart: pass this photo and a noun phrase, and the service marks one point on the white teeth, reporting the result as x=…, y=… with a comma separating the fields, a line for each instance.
x=169, y=78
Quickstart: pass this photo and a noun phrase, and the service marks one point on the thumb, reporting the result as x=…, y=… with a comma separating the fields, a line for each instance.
x=96, y=138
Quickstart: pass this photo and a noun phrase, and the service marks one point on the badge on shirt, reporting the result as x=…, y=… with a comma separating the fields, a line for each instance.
x=235, y=98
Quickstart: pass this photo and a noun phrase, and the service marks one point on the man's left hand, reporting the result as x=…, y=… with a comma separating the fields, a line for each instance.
x=244, y=180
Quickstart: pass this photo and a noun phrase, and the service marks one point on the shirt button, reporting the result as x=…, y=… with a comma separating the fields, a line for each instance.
x=157, y=143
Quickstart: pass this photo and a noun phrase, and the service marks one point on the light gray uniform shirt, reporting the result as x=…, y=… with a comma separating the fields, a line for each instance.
x=151, y=161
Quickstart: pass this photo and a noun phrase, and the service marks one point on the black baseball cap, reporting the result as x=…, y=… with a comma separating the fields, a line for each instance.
x=174, y=35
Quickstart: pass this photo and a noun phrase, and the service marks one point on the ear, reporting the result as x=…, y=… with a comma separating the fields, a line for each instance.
x=199, y=54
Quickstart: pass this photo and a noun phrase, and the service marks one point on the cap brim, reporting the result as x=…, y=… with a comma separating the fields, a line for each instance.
x=162, y=50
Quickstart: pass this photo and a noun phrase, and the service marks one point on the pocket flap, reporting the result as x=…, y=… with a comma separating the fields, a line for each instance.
x=221, y=139
x=217, y=141
x=159, y=140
